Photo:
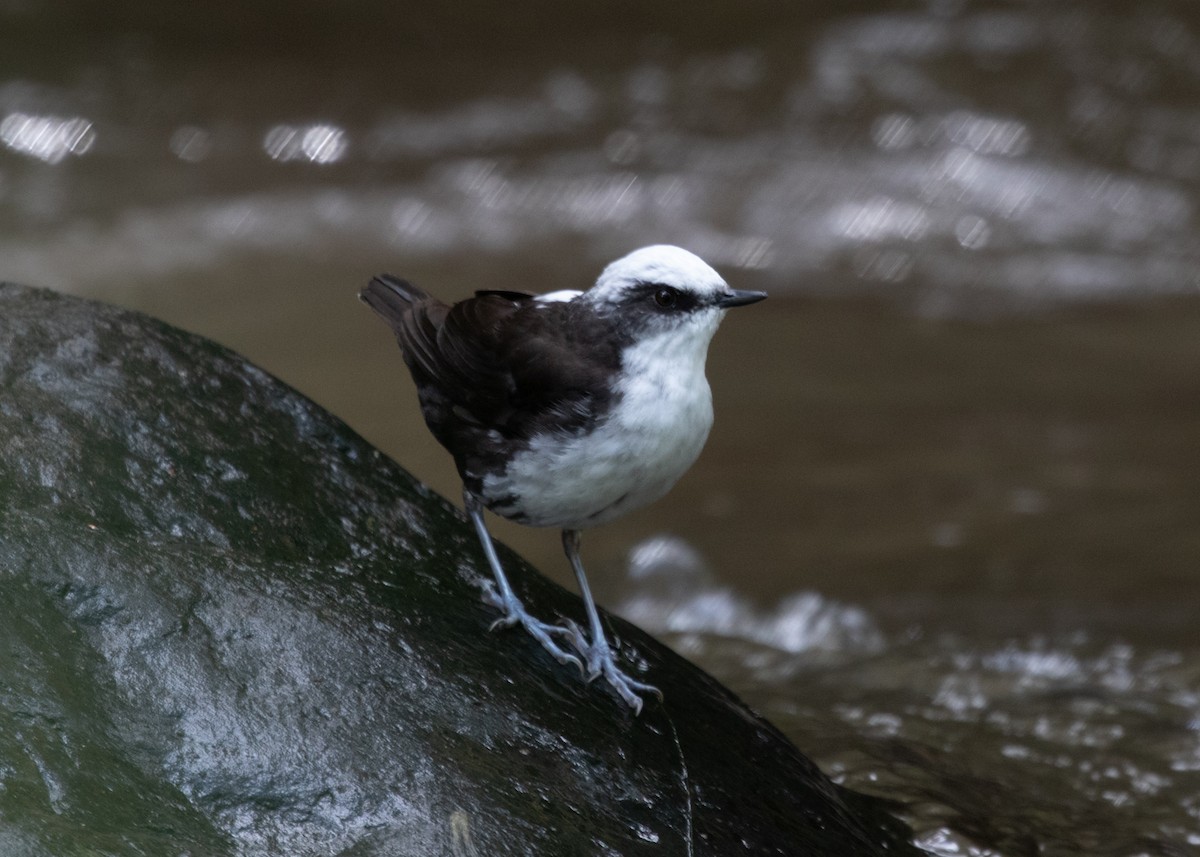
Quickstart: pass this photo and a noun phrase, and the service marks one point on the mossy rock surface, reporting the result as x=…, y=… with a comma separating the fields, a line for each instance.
x=228, y=625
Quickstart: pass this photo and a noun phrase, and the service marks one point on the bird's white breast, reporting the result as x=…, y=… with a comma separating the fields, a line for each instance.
x=653, y=434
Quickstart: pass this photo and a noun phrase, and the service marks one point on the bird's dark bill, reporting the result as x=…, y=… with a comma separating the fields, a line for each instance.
x=740, y=298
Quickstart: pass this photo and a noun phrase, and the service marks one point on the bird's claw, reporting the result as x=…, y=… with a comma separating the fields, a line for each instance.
x=580, y=643
x=628, y=688
x=516, y=614
x=601, y=661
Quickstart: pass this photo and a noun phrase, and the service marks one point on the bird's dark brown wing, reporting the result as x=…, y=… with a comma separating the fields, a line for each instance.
x=498, y=369
x=528, y=368
x=499, y=362
x=519, y=297
x=456, y=349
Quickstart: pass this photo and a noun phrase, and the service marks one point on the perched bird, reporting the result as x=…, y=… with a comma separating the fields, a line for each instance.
x=567, y=409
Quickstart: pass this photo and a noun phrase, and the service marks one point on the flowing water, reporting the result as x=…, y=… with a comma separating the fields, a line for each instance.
x=945, y=531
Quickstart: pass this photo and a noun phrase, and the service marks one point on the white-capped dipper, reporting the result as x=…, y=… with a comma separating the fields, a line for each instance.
x=567, y=409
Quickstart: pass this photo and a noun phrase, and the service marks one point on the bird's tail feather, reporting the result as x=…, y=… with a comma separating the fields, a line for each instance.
x=391, y=297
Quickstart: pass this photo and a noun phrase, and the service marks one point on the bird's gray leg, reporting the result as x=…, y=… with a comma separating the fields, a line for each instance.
x=506, y=599
x=599, y=654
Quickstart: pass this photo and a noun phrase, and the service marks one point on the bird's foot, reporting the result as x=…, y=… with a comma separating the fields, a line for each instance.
x=516, y=614
x=580, y=643
x=602, y=661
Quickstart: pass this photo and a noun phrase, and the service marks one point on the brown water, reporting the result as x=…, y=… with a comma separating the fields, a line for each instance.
x=944, y=532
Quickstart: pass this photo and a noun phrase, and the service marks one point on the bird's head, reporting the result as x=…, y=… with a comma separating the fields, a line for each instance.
x=665, y=291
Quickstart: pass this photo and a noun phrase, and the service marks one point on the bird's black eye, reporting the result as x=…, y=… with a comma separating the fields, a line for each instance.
x=666, y=297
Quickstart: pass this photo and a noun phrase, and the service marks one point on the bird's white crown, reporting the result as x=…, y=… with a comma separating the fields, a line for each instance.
x=660, y=264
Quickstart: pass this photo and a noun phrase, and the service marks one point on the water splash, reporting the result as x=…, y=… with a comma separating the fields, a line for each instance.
x=672, y=592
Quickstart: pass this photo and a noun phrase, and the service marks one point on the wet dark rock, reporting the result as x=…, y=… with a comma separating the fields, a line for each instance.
x=230, y=626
